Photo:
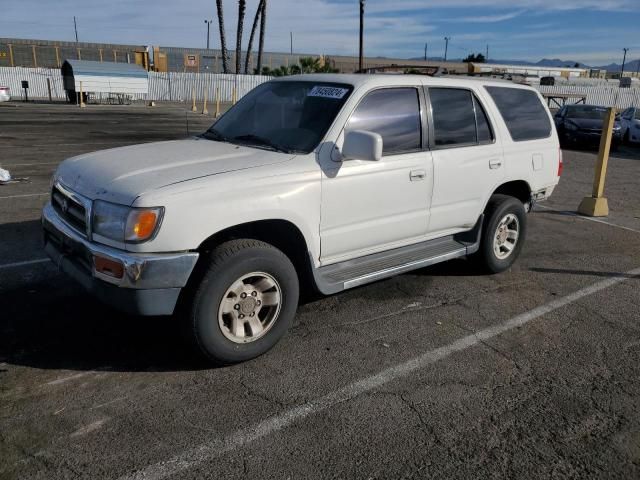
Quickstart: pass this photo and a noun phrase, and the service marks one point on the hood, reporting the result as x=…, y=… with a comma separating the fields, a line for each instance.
x=122, y=174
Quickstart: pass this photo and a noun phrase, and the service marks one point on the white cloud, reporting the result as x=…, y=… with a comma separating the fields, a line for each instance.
x=488, y=18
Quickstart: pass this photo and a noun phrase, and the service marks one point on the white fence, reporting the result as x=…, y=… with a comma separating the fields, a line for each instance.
x=37, y=77
x=606, y=96
x=174, y=86
x=178, y=87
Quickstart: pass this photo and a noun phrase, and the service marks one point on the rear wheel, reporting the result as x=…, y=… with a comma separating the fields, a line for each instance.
x=245, y=302
x=503, y=233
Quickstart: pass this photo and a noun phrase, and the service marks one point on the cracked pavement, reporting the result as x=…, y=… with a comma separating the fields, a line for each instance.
x=87, y=392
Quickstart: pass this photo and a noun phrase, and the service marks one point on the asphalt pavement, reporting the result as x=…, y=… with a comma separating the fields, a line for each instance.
x=439, y=373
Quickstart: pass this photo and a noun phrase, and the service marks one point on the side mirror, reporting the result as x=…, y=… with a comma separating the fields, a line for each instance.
x=362, y=145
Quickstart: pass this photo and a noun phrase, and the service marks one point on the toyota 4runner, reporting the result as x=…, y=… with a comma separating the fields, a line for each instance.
x=326, y=181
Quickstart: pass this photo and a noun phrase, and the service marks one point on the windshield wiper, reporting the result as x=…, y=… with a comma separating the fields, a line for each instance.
x=258, y=141
x=213, y=134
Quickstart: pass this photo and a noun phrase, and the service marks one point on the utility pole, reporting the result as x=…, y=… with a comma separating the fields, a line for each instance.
x=208, y=22
x=75, y=27
x=426, y=45
x=291, y=40
x=486, y=58
x=361, y=51
x=624, y=59
x=446, y=47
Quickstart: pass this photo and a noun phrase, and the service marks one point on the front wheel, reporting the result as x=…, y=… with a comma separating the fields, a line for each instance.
x=245, y=302
x=503, y=233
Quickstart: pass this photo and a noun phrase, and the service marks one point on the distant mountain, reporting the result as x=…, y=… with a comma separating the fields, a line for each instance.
x=631, y=66
x=556, y=62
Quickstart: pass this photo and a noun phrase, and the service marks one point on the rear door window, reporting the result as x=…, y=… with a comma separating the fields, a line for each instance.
x=454, y=120
x=458, y=118
x=523, y=112
x=394, y=114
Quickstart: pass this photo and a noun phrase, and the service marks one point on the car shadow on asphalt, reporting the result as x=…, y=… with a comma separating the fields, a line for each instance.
x=53, y=324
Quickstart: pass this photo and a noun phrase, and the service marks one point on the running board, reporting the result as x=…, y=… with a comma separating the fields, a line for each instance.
x=352, y=273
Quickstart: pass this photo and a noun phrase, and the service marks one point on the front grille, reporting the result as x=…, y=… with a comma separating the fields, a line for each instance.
x=70, y=210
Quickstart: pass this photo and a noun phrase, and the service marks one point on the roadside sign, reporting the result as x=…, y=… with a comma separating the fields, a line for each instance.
x=191, y=61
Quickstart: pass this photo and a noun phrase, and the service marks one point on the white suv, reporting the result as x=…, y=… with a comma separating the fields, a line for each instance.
x=326, y=181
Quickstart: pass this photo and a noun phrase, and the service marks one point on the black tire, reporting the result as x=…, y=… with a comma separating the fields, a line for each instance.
x=499, y=207
x=227, y=263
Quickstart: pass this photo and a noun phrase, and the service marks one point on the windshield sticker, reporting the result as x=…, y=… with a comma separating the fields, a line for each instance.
x=328, y=92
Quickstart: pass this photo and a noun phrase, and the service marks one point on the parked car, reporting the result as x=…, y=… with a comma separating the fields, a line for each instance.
x=581, y=126
x=4, y=94
x=630, y=125
x=321, y=181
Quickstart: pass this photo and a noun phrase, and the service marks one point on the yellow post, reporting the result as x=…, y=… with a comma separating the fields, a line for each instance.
x=11, y=55
x=35, y=57
x=217, y=102
x=234, y=96
x=193, y=97
x=596, y=205
x=204, y=105
x=58, y=57
x=82, y=105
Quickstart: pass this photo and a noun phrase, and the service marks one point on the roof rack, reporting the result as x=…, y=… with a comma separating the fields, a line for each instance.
x=429, y=70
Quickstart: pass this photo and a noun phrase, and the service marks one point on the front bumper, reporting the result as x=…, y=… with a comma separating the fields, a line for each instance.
x=590, y=139
x=150, y=284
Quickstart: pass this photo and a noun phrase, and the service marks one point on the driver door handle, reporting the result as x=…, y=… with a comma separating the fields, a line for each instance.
x=495, y=163
x=417, y=175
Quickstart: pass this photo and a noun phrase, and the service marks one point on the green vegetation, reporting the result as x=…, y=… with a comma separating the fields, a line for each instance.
x=306, y=65
x=477, y=58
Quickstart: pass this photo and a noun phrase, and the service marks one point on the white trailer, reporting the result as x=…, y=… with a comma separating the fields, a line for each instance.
x=95, y=79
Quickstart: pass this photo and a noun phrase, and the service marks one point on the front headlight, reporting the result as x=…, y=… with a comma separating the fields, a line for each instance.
x=125, y=224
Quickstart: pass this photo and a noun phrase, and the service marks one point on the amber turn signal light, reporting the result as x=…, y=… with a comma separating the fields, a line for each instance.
x=145, y=224
x=142, y=224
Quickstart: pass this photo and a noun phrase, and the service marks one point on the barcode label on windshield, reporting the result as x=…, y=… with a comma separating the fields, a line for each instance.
x=327, y=92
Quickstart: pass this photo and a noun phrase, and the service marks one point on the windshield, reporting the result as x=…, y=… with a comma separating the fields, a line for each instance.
x=592, y=113
x=286, y=116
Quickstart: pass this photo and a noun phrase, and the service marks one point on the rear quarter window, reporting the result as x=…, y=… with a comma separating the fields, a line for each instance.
x=523, y=113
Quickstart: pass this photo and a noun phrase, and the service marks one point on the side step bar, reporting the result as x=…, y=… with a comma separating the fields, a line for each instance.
x=352, y=273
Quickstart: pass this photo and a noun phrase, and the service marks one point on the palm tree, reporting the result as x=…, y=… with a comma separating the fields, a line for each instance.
x=242, y=7
x=263, y=21
x=223, y=40
x=253, y=32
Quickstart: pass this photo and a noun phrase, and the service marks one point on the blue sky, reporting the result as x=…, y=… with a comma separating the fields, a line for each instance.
x=589, y=31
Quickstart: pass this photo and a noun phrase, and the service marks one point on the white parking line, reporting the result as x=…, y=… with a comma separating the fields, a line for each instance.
x=240, y=438
x=26, y=262
x=583, y=217
x=26, y=195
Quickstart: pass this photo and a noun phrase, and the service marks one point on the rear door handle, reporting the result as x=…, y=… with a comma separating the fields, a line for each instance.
x=417, y=175
x=495, y=163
